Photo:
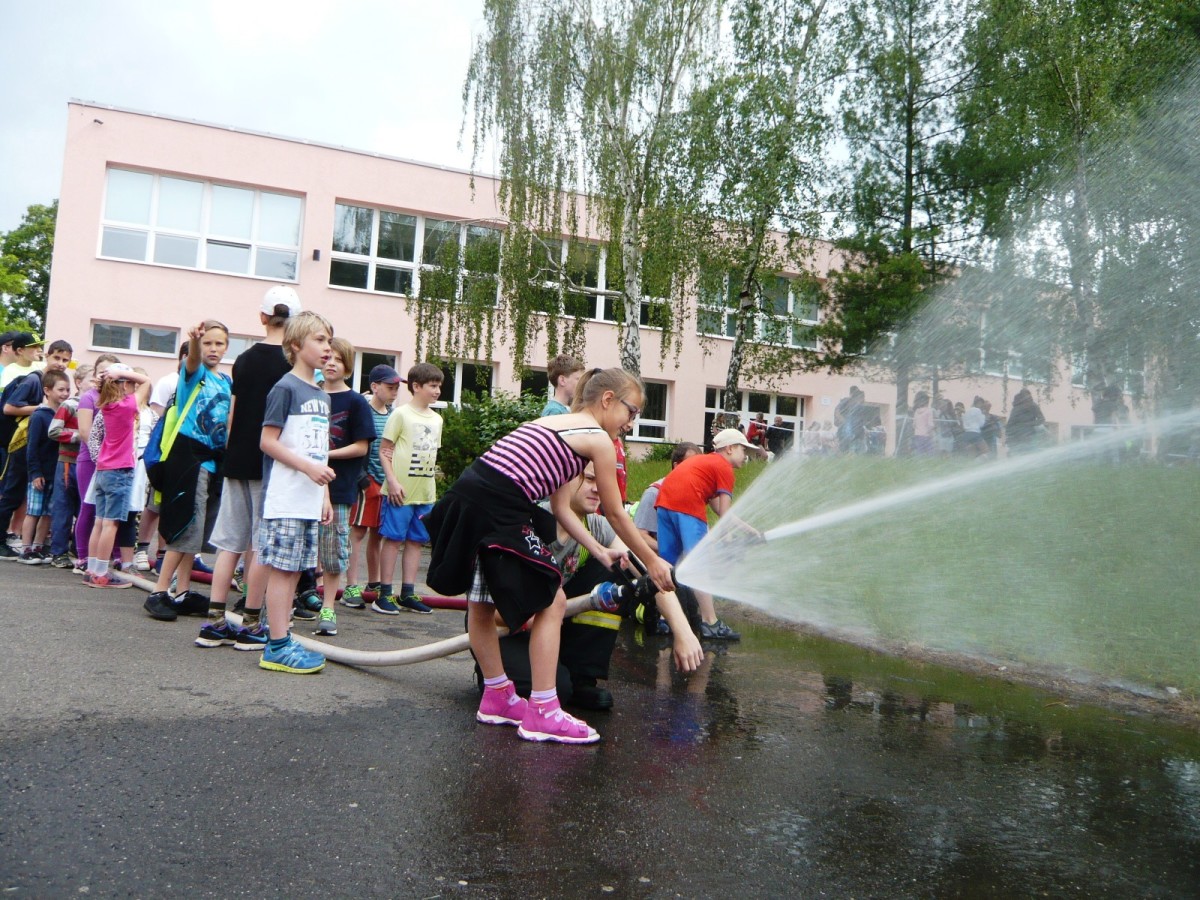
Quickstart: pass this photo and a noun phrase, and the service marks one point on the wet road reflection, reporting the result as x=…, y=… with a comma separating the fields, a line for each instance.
x=773, y=771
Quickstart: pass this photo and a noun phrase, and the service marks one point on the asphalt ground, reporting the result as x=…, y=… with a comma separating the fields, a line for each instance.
x=136, y=765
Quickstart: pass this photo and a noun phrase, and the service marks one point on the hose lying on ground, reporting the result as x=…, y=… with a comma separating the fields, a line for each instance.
x=407, y=656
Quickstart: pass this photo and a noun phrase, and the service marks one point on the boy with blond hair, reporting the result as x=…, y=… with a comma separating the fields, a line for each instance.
x=409, y=449
x=296, y=477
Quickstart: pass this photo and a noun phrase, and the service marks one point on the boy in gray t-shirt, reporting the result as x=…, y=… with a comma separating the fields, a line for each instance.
x=296, y=477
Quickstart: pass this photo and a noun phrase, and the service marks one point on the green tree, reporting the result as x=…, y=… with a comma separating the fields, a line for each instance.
x=25, y=254
x=585, y=98
x=897, y=112
x=1060, y=86
x=755, y=136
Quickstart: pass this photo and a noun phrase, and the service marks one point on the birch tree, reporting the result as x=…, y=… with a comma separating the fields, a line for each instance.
x=582, y=99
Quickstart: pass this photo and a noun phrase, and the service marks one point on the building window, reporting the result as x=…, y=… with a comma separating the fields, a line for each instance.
x=651, y=425
x=460, y=262
x=238, y=343
x=148, y=339
x=537, y=383
x=373, y=249
x=397, y=253
x=193, y=224
x=788, y=311
x=464, y=380
x=365, y=361
x=789, y=408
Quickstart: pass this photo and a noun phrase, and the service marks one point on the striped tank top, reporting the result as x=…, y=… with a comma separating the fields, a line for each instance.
x=537, y=458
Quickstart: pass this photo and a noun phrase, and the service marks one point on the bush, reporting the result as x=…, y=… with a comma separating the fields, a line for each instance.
x=470, y=429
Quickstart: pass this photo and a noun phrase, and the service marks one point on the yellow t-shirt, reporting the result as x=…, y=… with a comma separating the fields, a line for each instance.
x=417, y=436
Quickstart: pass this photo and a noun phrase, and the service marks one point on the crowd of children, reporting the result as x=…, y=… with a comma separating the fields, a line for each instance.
x=284, y=467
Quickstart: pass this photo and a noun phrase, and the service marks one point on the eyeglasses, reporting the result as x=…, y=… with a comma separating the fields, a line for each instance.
x=634, y=411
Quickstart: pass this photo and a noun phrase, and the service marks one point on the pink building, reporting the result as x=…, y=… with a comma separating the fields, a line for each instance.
x=163, y=222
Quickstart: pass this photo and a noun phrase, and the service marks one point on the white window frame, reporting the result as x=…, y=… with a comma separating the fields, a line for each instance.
x=638, y=423
x=372, y=260
x=416, y=266
x=744, y=414
x=457, y=365
x=231, y=354
x=152, y=231
x=135, y=330
x=464, y=233
x=727, y=317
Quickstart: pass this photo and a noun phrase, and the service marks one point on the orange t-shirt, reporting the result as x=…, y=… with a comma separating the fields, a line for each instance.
x=690, y=485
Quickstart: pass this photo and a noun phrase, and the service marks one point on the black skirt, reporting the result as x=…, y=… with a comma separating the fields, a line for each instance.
x=485, y=517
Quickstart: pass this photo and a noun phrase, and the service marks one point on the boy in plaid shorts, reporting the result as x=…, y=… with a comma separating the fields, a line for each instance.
x=41, y=456
x=351, y=430
x=296, y=477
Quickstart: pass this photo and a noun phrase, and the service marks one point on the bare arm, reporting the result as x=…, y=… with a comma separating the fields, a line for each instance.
x=351, y=451
x=720, y=504
x=85, y=417
x=395, y=491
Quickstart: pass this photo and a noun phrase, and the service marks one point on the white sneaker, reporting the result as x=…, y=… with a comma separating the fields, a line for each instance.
x=141, y=561
x=13, y=541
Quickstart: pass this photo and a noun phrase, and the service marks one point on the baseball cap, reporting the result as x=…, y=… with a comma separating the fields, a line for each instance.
x=25, y=339
x=7, y=337
x=728, y=437
x=277, y=296
x=385, y=374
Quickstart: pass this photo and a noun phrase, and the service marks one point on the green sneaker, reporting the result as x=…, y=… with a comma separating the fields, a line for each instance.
x=352, y=597
x=327, y=622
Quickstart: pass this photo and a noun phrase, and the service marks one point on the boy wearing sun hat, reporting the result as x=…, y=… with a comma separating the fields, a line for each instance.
x=690, y=489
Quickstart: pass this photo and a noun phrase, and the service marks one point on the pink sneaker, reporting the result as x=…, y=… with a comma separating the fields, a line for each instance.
x=549, y=723
x=503, y=707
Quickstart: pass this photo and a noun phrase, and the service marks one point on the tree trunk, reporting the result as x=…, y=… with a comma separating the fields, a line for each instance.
x=631, y=259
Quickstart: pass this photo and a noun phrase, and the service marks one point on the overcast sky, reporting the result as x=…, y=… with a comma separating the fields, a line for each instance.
x=379, y=75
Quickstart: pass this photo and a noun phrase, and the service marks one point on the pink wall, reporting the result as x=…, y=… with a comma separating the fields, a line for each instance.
x=85, y=287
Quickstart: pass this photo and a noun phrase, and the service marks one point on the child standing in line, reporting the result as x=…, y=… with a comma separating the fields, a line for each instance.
x=296, y=477
x=490, y=541
x=20, y=400
x=191, y=490
x=85, y=465
x=41, y=455
x=683, y=500
x=364, y=515
x=257, y=369
x=122, y=390
x=409, y=451
x=351, y=430
x=64, y=505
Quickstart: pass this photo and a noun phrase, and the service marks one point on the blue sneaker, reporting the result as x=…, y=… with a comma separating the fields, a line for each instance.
x=386, y=605
x=414, y=604
x=252, y=638
x=217, y=634
x=199, y=565
x=291, y=657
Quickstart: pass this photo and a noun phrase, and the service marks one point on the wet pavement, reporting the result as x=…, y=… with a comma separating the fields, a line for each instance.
x=135, y=765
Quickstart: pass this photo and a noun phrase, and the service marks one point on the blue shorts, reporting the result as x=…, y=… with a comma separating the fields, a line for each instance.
x=678, y=533
x=114, y=489
x=403, y=523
